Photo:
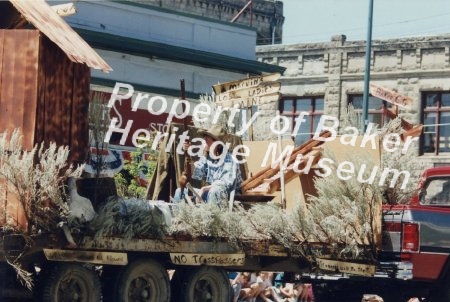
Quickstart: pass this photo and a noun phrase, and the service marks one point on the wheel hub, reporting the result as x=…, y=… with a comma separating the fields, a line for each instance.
x=140, y=290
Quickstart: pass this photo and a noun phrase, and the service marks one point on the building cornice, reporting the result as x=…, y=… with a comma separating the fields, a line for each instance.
x=146, y=88
x=310, y=79
x=175, y=53
x=184, y=14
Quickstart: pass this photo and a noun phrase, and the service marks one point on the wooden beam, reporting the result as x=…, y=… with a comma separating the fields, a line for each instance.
x=268, y=172
x=393, y=115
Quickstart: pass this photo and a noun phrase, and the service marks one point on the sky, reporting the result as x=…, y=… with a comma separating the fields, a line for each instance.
x=317, y=20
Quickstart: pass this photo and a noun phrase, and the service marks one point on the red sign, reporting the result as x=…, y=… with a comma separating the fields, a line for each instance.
x=390, y=96
x=141, y=119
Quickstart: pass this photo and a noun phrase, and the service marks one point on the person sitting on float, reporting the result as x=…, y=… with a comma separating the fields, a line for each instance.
x=219, y=172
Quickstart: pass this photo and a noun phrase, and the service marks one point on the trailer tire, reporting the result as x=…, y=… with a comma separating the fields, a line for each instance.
x=71, y=282
x=206, y=284
x=143, y=280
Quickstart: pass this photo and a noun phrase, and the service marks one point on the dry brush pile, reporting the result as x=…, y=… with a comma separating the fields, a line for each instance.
x=35, y=179
x=344, y=216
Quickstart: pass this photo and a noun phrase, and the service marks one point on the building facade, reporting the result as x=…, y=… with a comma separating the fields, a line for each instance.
x=263, y=15
x=152, y=47
x=324, y=78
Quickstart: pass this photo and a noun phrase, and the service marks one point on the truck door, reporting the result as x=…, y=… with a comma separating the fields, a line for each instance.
x=432, y=215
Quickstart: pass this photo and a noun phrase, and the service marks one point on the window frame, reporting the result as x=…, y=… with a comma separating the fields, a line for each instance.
x=313, y=113
x=383, y=111
x=439, y=109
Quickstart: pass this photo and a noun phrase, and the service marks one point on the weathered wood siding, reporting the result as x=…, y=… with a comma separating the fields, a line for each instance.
x=63, y=101
x=43, y=92
x=11, y=210
x=19, y=54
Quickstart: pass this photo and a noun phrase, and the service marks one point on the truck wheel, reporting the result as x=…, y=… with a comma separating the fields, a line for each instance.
x=71, y=282
x=439, y=294
x=206, y=284
x=143, y=280
x=441, y=291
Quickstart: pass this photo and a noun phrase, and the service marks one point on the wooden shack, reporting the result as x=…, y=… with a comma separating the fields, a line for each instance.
x=44, y=81
x=44, y=77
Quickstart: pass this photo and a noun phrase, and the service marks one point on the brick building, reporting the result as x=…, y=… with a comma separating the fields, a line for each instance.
x=323, y=78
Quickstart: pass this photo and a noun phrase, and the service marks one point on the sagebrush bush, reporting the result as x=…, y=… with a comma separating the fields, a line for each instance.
x=37, y=176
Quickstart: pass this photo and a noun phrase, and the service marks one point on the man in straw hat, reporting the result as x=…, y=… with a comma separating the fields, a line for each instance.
x=217, y=167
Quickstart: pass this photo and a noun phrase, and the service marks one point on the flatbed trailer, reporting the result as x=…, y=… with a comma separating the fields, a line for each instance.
x=120, y=269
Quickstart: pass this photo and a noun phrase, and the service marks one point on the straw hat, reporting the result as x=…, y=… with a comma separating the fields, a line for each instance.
x=216, y=132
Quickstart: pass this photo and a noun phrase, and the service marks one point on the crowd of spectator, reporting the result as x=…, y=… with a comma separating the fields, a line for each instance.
x=268, y=287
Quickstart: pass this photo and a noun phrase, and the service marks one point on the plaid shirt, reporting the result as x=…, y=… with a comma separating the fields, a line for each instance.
x=226, y=176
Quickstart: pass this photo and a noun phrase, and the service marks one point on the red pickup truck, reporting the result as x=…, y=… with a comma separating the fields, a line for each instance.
x=414, y=260
x=418, y=235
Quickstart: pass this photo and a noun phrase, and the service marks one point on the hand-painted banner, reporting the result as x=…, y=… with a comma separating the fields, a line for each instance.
x=208, y=259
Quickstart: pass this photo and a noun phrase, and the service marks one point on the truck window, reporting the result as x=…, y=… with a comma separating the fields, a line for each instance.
x=436, y=192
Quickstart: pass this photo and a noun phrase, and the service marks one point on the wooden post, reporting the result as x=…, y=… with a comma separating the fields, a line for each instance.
x=282, y=167
x=186, y=176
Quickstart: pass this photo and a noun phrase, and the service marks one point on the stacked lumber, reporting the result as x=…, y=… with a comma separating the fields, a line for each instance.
x=268, y=180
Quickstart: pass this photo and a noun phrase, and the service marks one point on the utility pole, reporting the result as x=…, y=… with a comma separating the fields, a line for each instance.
x=365, y=118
